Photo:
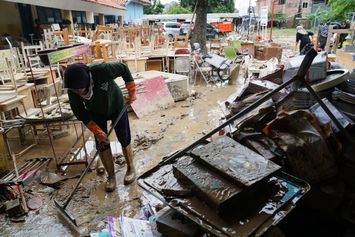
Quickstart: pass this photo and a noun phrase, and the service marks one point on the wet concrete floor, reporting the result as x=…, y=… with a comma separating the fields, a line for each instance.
x=176, y=128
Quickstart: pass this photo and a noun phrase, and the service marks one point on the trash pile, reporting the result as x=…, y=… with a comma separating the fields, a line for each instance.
x=235, y=184
x=15, y=197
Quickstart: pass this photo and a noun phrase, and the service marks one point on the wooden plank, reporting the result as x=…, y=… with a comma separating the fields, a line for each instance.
x=156, y=96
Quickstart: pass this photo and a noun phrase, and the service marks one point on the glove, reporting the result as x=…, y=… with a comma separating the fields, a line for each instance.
x=131, y=88
x=100, y=135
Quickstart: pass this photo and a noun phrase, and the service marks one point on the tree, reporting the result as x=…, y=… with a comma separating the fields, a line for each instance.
x=280, y=18
x=339, y=8
x=155, y=8
x=176, y=9
x=220, y=9
x=199, y=31
x=187, y=3
x=214, y=6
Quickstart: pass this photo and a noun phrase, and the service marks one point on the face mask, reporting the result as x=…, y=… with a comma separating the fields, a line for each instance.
x=90, y=92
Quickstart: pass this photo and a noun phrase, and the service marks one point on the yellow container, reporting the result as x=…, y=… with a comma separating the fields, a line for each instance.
x=4, y=164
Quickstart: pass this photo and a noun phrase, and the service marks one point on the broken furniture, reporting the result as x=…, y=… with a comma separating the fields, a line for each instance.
x=219, y=202
x=55, y=112
x=181, y=41
x=331, y=31
x=54, y=37
x=215, y=46
x=28, y=51
x=220, y=66
x=182, y=61
x=248, y=47
x=202, y=68
x=172, y=224
x=178, y=84
x=175, y=189
x=155, y=96
x=267, y=51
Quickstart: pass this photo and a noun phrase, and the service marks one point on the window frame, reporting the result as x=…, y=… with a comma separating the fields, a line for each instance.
x=45, y=13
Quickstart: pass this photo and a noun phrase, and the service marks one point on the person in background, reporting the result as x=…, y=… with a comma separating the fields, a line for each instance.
x=342, y=37
x=323, y=35
x=95, y=98
x=304, y=37
x=38, y=30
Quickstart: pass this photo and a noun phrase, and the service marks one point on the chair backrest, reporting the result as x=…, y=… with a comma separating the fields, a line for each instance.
x=30, y=50
x=181, y=41
x=182, y=65
x=236, y=44
x=229, y=52
x=105, y=31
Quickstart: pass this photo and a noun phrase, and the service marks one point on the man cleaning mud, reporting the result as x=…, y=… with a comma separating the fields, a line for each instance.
x=95, y=98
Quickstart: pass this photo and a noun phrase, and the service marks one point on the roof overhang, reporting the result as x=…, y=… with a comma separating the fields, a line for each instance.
x=76, y=5
x=142, y=2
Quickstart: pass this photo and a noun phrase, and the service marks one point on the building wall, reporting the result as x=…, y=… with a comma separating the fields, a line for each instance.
x=290, y=8
x=134, y=13
x=10, y=21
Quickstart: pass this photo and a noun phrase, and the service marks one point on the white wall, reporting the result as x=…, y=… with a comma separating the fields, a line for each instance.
x=76, y=5
x=10, y=20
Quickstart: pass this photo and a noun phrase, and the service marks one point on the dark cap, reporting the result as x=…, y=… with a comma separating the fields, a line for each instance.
x=77, y=76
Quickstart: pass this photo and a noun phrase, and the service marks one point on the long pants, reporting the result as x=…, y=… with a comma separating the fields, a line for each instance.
x=122, y=129
x=322, y=42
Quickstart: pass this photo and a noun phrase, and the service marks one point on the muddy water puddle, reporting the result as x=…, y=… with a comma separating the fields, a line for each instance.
x=166, y=131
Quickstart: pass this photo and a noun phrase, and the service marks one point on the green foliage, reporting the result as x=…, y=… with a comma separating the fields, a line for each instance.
x=220, y=6
x=280, y=17
x=176, y=9
x=339, y=8
x=214, y=6
x=155, y=8
x=187, y=3
x=220, y=9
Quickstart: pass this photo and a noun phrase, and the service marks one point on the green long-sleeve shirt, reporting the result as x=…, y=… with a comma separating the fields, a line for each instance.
x=107, y=97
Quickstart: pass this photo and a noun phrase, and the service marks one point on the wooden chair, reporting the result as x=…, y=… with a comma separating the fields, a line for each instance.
x=181, y=41
x=205, y=71
x=215, y=46
x=28, y=51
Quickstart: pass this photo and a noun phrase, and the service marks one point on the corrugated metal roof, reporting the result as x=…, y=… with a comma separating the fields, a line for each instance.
x=119, y=4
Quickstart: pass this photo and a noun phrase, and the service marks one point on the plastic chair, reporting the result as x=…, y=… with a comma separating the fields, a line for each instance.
x=236, y=44
x=229, y=52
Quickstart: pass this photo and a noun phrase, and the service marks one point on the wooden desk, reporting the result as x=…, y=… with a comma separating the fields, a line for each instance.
x=26, y=91
x=12, y=104
x=136, y=64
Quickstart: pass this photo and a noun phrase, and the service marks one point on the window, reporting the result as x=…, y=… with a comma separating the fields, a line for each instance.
x=282, y=1
x=305, y=5
x=48, y=15
x=172, y=25
x=79, y=17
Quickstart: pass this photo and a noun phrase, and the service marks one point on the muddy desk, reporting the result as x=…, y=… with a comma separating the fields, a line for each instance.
x=9, y=106
x=178, y=84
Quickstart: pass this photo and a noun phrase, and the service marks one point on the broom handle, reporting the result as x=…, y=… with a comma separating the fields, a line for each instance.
x=92, y=160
